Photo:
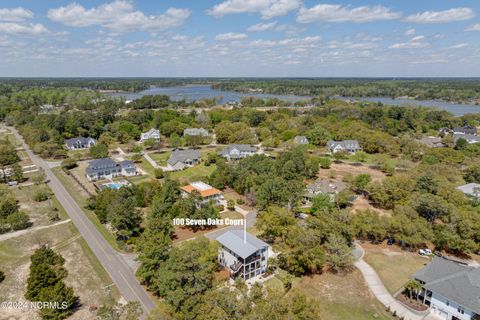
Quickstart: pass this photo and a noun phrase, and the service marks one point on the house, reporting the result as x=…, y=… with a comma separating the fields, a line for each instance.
x=300, y=140
x=444, y=130
x=470, y=189
x=80, y=143
x=465, y=130
x=207, y=192
x=451, y=289
x=195, y=132
x=351, y=146
x=470, y=138
x=181, y=159
x=322, y=186
x=243, y=257
x=106, y=168
x=432, y=142
x=150, y=134
x=238, y=151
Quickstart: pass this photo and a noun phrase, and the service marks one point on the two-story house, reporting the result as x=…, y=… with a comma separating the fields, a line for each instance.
x=350, y=146
x=207, y=193
x=106, y=168
x=242, y=254
x=80, y=143
x=150, y=134
x=451, y=289
x=238, y=151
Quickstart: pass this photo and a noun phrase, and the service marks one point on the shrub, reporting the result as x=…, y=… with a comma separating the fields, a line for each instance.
x=231, y=205
x=159, y=173
x=325, y=163
x=240, y=201
x=18, y=221
x=40, y=195
x=68, y=164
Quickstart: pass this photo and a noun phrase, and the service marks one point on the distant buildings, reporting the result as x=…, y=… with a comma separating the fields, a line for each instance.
x=244, y=258
x=465, y=130
x=150, y=134
x=350, y=146
x=207, y=192
x=300, y=140
x=322, y=186
x=195, y=132
x=106, y=168
x=450, y=289
x=80, y=143
x=238, y=151
x=181, y=159
x=470, y=138
x=470, y=189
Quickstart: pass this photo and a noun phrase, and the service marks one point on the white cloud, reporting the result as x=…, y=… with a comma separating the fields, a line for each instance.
x=25, y=29
x=454, y=14
x=475, y=27
x=338, y=13
x=410, y=32
x=418, y=38
x=410, y=45
x=230, y=36
x=262, y=26
x=15, y=14
x=267, y=8
x=460, y=45
x=118, y=16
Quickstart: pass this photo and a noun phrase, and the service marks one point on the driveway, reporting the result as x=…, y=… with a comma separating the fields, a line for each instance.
x=381, y=293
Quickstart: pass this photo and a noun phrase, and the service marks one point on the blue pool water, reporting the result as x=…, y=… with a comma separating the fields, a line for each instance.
x=113, y=185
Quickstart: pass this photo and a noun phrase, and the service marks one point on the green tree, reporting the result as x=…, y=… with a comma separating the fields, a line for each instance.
x=18, y=220
x=338, y=254
x=100, y=150
x=325, y=163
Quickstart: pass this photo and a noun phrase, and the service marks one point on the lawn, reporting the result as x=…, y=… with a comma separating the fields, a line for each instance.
x=393, y=265
x=160, y=157
x=339, y=297
x=197, y=173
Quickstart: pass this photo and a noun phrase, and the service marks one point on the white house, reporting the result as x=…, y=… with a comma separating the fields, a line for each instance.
x=350, y=146
x=242, y=254
x=150, y=134
x=181, y=159
x=450, y=289
x=238, y=151
x=106, y=168
x=80, y=143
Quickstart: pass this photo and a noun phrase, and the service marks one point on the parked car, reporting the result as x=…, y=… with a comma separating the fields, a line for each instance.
x=424, y=252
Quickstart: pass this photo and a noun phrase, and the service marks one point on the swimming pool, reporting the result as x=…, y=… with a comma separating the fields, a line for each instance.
x=114, y=185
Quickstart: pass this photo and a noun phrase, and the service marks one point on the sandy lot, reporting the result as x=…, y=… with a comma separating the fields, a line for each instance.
x=342, y=169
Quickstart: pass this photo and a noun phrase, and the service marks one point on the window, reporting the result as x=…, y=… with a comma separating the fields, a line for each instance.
x=447, y=303
x=460, y=310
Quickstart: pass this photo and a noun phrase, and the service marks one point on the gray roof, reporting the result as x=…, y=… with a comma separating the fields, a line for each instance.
x=79, y=141
x=452, y=280
x=471, y=138
x=239, y=147
x=127, y=164
x=100, y=165
x=301, y=140
x=471, y=189
x=183, y=155
x=325, y=186
x=345, y=144
x=466, y=129
x=234, y=240
x=195, y=132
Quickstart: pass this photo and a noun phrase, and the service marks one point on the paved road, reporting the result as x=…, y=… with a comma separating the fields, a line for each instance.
x=121, y=274
x=379, y=290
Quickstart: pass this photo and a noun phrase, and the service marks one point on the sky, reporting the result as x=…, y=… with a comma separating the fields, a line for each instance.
x=240, y=38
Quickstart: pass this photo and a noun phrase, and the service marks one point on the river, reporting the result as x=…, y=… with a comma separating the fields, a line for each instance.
x=199, y=92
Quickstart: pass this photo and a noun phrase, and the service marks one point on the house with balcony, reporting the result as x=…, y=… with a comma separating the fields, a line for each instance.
x=450, y=289
x=238, y=151
x=242, y=254
x=206, y=192
x=106, y=168
x=80, y=143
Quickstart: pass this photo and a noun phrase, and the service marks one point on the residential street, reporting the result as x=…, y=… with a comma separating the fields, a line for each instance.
x=122, y=275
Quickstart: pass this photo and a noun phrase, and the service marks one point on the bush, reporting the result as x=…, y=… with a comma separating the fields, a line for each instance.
x=40, y=195
x=159, y=173
x=18, y=221
x=231, y=205
x=68, y=164
x=2, y=276
x=240, y=201
x=325, y=163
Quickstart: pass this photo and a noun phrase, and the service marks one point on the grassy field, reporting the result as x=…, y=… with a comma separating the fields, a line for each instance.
x=394, y=267
x=78, y=194
x=339, y=297
x=160, y=158
x=197, y=173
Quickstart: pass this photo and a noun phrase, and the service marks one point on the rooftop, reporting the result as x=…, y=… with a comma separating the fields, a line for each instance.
x=234, y=240
x=204, y=189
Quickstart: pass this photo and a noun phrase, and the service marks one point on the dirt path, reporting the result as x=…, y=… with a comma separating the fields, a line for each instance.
x=18, y=233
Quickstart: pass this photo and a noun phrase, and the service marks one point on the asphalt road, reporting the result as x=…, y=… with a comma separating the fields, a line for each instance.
x=122, y=275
